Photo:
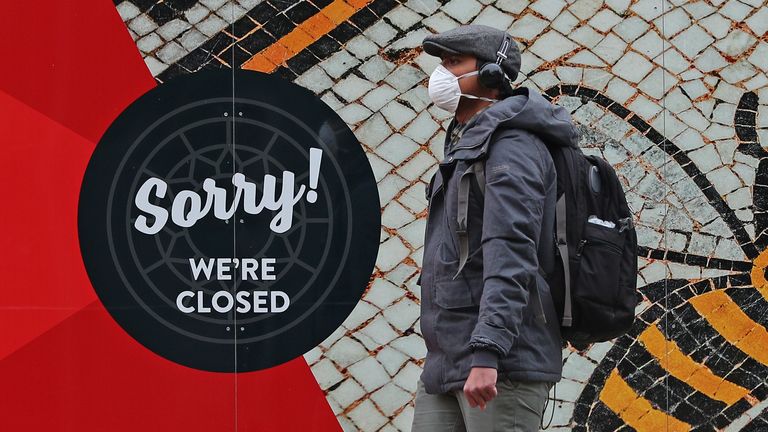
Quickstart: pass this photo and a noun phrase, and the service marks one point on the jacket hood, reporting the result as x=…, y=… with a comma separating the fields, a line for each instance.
x=525, y=109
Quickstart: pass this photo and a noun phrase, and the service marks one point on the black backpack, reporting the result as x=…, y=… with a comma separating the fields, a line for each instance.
x=594, y=287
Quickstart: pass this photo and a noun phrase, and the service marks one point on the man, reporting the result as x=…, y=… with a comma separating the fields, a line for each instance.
x=487, y=317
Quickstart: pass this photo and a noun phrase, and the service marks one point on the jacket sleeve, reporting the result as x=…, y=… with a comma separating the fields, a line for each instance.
x=516, y=182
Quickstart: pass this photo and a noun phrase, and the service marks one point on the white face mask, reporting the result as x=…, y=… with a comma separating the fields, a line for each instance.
x=444, y=89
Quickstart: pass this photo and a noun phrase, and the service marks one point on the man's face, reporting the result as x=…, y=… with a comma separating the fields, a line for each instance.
x=460, y=64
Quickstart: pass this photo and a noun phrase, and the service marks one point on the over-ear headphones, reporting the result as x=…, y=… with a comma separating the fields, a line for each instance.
x=491, y=75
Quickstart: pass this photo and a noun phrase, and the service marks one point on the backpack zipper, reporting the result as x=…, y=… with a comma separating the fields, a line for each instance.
x=611, y=246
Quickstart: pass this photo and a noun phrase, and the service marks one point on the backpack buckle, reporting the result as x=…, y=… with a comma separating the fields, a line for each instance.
x=626, y=223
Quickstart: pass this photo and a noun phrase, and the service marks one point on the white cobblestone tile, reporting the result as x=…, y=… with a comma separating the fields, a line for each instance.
x=378, y=97
x=710, y=60
x=380, y=33
x=390, y=398
x=493, y=17
x=462, y=10
x=413, y=197
x=585, y=9
x=736, y=10
x=383, y=293
x=326, y=373
x=424, y=7
x=610, y=48
x=699, y=9
x=619, y=90
x=631, y=28
x=347, y=392
x=362, y=48
x=411, y=345
x=369, y=373
x=404, y=420
x=644, y=107
x=396, y=149
x=596, y=78
x=337, y=64
x=759, y=56
x=211, y=25
x=632, y=67
x=657, y=83
x=196, y=13
x=417, y=98
x=192, y=39
x=345, y=352
x=717, y=25
x=154, y=65
x=619, y=6
x=404, y=77
x=408, y=376
x=694, y=119
x=569, y=75
x=376, y=68
x=395, y=215
x=380, y=331
x=354, y=114
x=604, y=20
x=397, y=114
x=402, y=314
x=315, y=79
x=650, y=44
x=362, y=312
x=391, y=359
x=552, y=45
x=373, y=131
x=692, y=41
x=736, y=43
x=549, y=9
x=759, y=22
x=142, y=24
x=440, y=22
x=127, y=10
x=391, y=252
x=403, y=17
x=171, y=52
x=672, y=61
x=673, y=22
x=149, y=43
x=173, y=28
x=565, y=22
x=528, y=27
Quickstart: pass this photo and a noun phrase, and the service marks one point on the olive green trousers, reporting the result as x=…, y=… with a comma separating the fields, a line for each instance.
x=517, y=407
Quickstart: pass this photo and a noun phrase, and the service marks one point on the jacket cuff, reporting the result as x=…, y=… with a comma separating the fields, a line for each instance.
x=485, y=357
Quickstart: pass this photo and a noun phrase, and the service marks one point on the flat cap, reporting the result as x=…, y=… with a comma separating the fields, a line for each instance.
x=478, y=40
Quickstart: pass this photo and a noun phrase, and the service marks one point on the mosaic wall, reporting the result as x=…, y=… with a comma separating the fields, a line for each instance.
x=672, y=93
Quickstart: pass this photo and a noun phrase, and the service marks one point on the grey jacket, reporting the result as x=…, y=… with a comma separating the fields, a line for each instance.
x=484, y=317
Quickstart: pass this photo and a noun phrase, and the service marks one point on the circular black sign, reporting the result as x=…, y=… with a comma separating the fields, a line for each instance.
x=229, y=221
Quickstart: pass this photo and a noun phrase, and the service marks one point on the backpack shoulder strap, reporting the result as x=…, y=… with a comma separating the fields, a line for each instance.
x=477, y=169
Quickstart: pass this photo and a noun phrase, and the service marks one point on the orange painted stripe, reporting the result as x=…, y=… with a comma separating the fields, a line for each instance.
x=635, y=410
x=305, y=34
x=688, y=370
x=733, y=324
x=758, y=273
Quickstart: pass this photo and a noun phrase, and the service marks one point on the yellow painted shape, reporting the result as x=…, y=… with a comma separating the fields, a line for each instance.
x=688, y=370
x=635, y=410
x=733, y=324
x=758, y=273
x=305, y=34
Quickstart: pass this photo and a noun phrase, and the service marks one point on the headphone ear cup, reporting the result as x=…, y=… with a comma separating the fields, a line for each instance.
x=490, y=75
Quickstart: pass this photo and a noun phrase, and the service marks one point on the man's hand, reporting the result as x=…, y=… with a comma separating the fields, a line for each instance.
x=480, y=387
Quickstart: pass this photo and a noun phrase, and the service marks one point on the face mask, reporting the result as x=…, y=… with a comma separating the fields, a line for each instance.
x=444, y=89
